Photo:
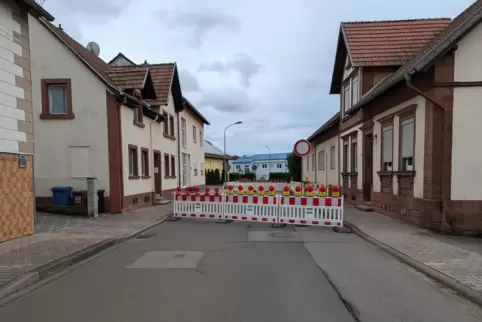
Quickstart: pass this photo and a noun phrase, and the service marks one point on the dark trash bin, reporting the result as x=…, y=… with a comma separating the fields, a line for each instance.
x=61, y=195
x=101, y=201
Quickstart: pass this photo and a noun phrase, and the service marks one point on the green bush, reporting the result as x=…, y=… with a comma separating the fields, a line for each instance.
x=280, y=176
x=217, y=177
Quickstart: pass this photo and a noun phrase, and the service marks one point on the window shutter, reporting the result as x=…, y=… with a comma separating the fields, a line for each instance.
x=387, y=144
x=407, y=138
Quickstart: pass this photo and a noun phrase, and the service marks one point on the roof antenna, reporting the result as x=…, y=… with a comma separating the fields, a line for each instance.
x=145, y=61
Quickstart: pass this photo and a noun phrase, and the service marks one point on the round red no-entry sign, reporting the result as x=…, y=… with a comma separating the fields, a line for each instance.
x=302, y=148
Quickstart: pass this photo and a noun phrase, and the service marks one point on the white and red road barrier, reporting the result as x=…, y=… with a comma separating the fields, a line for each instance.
x=297, y=210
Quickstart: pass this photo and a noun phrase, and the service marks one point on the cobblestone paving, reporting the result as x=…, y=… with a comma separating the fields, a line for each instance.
x=462, y=265
x=57, y=236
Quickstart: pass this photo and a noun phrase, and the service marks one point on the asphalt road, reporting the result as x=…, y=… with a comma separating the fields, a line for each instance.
x=203, y=271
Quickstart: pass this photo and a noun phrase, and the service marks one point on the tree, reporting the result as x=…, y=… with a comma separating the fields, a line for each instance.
x=217, y=177
x=294, y=166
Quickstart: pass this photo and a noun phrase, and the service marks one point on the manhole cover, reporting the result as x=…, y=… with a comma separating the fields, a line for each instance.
x=281, y=235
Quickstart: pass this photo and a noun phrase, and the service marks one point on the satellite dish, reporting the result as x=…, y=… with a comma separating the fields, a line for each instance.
x=94, y=48
x=254, y=167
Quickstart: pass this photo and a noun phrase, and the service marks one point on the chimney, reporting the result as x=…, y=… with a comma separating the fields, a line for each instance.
x=60, y=27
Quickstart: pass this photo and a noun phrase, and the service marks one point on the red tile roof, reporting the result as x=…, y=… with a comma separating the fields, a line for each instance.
x=128, y=77
x=388, y=43
x=456, y=30
x=161, y=75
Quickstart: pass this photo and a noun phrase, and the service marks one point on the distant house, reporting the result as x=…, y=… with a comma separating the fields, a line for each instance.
x=214, y=157
x=261, y=164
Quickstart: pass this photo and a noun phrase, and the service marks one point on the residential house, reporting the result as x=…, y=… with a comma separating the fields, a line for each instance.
x=184, y=127
x=410, y=94
x=321, y=166
x=192, y=146
x=261, y=164
x=17, y=207
x=103, y=121
x=214, y=157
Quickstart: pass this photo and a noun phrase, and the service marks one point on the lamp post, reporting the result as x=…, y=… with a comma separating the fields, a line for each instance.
x=225, y=156
x=269, y=161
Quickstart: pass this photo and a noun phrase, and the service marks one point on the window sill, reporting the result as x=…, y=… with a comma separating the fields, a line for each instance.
x=146, y=177
x=167, y=136
x=139, y=124
x=68, y=116
x=134, y=177
x=385, y=173
x=174, y=177
x=405, y=173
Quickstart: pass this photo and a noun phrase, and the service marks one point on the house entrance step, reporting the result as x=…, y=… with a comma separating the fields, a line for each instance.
x=161, y=201
x=364, y=207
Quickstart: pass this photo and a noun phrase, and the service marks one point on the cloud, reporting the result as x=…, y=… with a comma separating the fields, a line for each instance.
x=227, y=99
x=189, y=82
x=201, y=23
x=243, y=63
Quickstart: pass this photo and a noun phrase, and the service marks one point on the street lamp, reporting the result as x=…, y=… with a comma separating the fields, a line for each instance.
x=269, y=161
x=225, y=157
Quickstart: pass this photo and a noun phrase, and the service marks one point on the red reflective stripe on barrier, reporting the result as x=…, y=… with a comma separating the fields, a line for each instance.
x=220, y=217
x=184, y=197
x=193, y=215
x=234, y=217
x=203, y=198
x=303, y=201
x=291, y=221
x=265, y=200
x=235, y=198
x=245, y=199
x=328, y=202
x=327, y=223
x=274, y=220
x=292, y=201
x=274, y=200
x=303, y=222
x=316, y=202
x=264, y=219
x=211, y=198
x=211, y=216
x=244, y=218
x=339, y=202
x=282, y=220
x=338, y=223
x=254, y=218
x=193, y=198
x=202, y=216
x=282, y=200
x=184, y=215
x=315, y=222
x=176, y=215
x=255, y=199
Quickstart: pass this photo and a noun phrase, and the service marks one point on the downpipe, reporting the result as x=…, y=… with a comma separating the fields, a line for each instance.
x=408, y=81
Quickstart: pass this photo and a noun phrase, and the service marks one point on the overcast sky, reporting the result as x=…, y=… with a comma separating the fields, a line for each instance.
x=267, y=63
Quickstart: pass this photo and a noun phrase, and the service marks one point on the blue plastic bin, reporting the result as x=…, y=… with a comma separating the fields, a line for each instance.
x=61, y=195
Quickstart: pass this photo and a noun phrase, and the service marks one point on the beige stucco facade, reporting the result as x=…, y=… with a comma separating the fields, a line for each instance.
x=169, y=146
x=316, y=173
x=419, y=145
x=467, y=113
x=194, y=148
x=67, y=151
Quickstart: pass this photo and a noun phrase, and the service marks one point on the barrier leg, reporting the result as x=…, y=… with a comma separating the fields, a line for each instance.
x=171, y=217
x=223, y=221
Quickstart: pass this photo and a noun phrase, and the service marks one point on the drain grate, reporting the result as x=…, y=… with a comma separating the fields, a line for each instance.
x=146, y=236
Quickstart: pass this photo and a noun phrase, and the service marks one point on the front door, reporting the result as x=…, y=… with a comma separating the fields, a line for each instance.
x=157, y=172
x=367, y=167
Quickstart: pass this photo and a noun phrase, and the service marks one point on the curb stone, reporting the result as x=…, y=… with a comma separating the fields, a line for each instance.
x=59, y=264
x=461, y=289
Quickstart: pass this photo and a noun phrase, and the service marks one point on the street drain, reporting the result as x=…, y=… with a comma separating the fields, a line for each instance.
x=179, y=256
x=145, y=236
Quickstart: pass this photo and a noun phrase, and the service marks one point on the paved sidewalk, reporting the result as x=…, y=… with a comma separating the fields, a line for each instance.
x=58, y=236
x=459, y=258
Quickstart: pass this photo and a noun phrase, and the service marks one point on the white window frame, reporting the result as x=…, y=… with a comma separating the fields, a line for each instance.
x=183, y=132
x=49, y=87
x=194, y=133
